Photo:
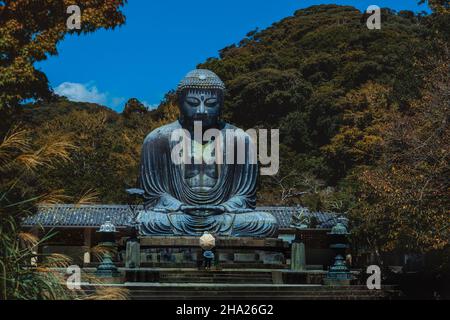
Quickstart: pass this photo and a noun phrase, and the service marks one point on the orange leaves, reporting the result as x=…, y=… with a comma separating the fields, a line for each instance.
x=407, y=189
x=366, y=111
x=439, y=6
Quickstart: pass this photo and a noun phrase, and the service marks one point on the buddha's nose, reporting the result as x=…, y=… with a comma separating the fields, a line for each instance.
x=201, y=109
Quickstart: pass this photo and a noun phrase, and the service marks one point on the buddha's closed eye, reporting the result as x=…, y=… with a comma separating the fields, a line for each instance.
x=193, y=101
x=211, y=102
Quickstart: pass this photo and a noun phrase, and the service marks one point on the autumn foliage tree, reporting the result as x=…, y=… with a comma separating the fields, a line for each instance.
x=30, y=31
x=366, y=110
x=134, y=106
x=403, y=199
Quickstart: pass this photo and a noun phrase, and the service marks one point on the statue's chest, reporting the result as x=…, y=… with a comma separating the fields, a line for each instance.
x=203, y=172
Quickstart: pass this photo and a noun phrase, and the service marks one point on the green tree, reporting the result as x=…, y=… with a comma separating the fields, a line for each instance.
x=134, y=106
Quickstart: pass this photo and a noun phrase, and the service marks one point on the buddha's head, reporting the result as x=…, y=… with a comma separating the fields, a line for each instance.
x=200, y=98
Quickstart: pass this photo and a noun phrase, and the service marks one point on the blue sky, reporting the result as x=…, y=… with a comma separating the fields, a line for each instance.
x=161, y=41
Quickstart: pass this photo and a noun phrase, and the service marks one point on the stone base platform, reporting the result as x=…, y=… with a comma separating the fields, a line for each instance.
x=220, y=242
x=185, y=252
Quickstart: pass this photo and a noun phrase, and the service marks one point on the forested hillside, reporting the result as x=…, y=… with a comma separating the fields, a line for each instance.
x=326, y=81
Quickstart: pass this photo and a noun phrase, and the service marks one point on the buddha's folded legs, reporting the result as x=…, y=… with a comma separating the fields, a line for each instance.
x=159, y=224
x=154, y=224
x=254, y=224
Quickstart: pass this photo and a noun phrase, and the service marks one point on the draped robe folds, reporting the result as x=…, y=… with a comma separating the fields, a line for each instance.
x=166, y=191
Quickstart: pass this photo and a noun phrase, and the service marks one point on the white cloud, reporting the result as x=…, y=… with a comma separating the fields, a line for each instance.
x=81, y=93
x=88, y=92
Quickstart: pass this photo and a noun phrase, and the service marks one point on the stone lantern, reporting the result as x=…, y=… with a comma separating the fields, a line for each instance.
x=107, y=234
x=339, y=273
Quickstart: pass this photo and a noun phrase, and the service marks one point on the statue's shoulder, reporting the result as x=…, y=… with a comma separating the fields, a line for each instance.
x=163, y=133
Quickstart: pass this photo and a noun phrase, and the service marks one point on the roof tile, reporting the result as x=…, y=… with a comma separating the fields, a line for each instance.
x=93, y=216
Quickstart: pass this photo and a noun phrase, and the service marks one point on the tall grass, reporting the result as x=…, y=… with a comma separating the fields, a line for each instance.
x=25, y=273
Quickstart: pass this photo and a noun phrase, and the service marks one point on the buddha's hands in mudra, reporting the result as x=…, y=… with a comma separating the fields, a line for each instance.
x=193, y=209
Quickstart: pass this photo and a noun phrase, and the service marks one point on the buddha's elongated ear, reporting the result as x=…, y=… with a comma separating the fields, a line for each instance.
x=181, y=96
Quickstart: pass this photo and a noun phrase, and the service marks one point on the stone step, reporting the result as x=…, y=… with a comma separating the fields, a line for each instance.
x=247, y=276
x=194, y=265
x=232, y=293
x=222, y=281
x=213, y=277
x=194, y=286
x=216, y=274
x=161, y=287
x=247, y=292
x=254, y=287
x=252, y=293
x=259, y=298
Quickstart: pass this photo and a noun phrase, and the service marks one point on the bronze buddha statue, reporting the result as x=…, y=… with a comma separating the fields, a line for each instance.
x=196, y=196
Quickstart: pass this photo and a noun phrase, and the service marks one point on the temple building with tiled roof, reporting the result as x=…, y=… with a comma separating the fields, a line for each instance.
x=75, y=229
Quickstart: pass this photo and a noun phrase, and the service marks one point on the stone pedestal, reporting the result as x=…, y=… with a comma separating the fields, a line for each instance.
x=339, y=274
x=298, y=259
x=107, y=268
x=185, y=252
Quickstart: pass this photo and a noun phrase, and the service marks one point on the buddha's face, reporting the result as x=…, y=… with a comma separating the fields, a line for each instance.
x=201, y=105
